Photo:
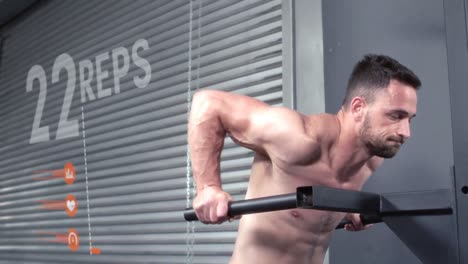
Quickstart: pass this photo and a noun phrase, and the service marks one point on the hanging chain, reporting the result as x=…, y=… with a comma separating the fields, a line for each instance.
x=190, y=226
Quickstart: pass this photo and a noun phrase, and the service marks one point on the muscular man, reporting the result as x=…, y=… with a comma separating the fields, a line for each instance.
x=292, y=149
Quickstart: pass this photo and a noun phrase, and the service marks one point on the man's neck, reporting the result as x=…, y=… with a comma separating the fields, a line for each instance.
x=348, y=154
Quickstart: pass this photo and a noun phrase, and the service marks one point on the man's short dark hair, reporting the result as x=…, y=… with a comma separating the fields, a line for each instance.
x=375, y=72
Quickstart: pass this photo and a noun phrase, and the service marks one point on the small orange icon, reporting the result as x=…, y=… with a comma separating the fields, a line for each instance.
x=68, y=173
x=73, y=239
x=70, y=205
x=95, y=251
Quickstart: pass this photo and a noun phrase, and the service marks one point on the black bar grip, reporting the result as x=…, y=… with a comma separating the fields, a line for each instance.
x=338, y=200
x=252, y=206
x=365, y=219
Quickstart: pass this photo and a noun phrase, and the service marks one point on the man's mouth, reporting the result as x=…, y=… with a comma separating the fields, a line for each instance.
x=399, y=141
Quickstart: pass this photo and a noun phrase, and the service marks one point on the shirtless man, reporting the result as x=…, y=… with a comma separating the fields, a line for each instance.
x=292, y=149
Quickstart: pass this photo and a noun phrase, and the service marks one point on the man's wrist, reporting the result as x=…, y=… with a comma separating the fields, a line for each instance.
x=209, y=186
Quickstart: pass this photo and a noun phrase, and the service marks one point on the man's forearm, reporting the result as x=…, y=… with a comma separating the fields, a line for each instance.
x=206, y=140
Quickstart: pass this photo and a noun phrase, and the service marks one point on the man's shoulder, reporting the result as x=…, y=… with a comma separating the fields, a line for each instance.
x=324, y=127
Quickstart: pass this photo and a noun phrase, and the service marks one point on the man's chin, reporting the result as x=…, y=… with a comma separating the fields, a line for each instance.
x=387, y=153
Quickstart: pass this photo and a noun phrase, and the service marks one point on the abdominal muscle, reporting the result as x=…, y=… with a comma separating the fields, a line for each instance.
x=284, y=237
x=296, y=236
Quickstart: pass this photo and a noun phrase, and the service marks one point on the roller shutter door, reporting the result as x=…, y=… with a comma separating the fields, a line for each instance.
x=103, y=86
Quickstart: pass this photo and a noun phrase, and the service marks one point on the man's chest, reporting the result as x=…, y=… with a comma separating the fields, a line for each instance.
x=321, y=174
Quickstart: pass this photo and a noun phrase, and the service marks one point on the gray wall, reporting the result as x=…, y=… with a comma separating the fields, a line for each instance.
x=309, y=88
x=303, y=86
x=412, y=32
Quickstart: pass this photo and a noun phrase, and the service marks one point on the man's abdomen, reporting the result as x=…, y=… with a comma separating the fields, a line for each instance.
x=290, y=236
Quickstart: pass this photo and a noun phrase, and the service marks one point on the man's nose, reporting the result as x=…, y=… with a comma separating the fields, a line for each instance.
x=404, y=130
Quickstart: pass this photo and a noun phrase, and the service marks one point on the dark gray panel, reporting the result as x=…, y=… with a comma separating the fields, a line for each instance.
x=432, y=238
x=414, y=33
x=457, y=50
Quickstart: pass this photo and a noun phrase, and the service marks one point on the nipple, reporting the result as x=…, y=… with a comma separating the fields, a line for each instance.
x=295, y=214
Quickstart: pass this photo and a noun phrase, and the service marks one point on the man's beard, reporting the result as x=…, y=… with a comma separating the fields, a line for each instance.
x=377, y=146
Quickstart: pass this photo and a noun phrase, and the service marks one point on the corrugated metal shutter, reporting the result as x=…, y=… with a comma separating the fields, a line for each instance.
x=127, y=144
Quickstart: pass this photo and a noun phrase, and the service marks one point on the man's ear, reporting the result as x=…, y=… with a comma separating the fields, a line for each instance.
x=358, y=108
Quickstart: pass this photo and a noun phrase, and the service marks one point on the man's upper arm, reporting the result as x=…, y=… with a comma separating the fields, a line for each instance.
x=256, y=125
